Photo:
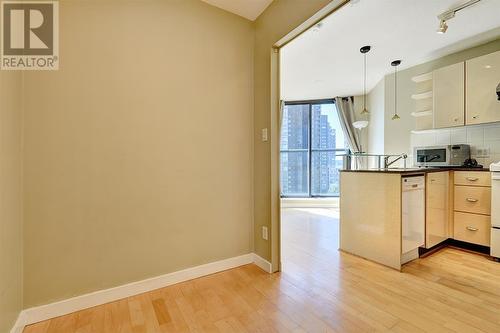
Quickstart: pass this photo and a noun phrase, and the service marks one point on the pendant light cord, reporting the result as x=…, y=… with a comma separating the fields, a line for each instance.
x=395, y=63
x=395, y=90
x=364, y=50
x=364, y=83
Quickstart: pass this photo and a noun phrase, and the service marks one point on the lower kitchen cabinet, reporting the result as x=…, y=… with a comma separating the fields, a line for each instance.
x=472, y=178
x=458, y=206
x=438, y=208
x=472, y=228
x=472, y=207
x=473, y=199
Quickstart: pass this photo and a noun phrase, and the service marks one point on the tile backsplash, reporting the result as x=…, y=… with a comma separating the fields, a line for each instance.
x=483, y=139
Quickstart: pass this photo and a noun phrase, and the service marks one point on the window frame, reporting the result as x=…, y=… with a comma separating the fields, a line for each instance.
x=309, y=149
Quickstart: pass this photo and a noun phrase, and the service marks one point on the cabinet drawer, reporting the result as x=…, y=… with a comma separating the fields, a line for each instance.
x=472, y=199
x=474, y=178
x=438, y=178
x=472, y=228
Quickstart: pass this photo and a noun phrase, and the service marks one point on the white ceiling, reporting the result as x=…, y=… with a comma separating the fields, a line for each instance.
x=327, y=62
x=249, y=9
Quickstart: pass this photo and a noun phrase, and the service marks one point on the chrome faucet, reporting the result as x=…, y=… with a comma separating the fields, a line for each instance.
x=387, y=164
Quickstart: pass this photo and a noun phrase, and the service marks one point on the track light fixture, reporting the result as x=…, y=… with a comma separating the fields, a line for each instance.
x=442, y=27
x=449, y=14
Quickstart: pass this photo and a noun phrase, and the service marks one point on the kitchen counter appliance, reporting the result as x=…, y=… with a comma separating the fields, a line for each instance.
x=441, y=156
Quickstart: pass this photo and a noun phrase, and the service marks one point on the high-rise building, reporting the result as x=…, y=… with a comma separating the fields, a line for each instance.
x=295, y=140
x=324, y=173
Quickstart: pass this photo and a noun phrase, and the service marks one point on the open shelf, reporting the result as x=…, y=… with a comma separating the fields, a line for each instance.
x=422, y=113
x=424, y=95
x=422, y=77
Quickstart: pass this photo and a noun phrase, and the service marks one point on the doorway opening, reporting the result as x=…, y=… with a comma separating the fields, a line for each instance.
x=312, y=147
x=276, y=102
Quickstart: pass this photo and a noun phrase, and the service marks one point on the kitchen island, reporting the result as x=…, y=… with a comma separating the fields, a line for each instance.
x=372, y=209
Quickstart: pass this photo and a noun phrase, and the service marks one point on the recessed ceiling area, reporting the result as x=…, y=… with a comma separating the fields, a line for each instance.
x=249, y=9
x=325, y=62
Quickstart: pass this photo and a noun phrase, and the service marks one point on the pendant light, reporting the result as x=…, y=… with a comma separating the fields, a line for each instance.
x=364, y=50
x=395, y=64
x=360, y=125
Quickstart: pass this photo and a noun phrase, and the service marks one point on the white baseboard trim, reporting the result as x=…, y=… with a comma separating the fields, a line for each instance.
x=19, y=324
x=52, y=310
x=262, y=263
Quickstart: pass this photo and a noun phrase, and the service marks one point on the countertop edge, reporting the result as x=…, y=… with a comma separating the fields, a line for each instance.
x=415, y=170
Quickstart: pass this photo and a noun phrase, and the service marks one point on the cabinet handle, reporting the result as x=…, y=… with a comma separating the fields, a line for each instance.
x=471, y=200
x=474, y=117
x=472, y=229
x=455, y=119
x=472, y=179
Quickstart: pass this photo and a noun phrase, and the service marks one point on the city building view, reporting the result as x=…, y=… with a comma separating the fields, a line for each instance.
x=311, y=142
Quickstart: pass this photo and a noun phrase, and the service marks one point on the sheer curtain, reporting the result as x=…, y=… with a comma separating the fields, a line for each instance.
x=345, y=108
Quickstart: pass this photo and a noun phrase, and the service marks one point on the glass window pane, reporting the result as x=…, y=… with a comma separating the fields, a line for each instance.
x=298, y=154
x=295, y=150
x=295, y=174
x=325, y=175
x=326, y=130
x=295, y=127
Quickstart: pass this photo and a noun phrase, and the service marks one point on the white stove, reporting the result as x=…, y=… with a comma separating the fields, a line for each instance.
x=495, y=209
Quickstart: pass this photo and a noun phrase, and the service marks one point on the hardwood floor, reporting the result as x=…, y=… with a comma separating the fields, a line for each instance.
x=319, y=290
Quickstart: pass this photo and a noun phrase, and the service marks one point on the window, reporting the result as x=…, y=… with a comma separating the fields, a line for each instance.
x=311, y=140
x=294, y=150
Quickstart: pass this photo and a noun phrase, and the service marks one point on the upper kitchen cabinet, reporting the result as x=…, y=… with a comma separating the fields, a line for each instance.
x=448, y=96
x=483, y=77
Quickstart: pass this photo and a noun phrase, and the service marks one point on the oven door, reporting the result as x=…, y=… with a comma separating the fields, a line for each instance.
x=495, y=242
x=495, y=215
x=432, y=156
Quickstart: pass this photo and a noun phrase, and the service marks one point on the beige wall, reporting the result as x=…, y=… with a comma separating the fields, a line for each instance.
x=277, y=20
x=358, y=108
x=138, y=151
x=141, y=124
x=376, y=105
x=11, y=224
